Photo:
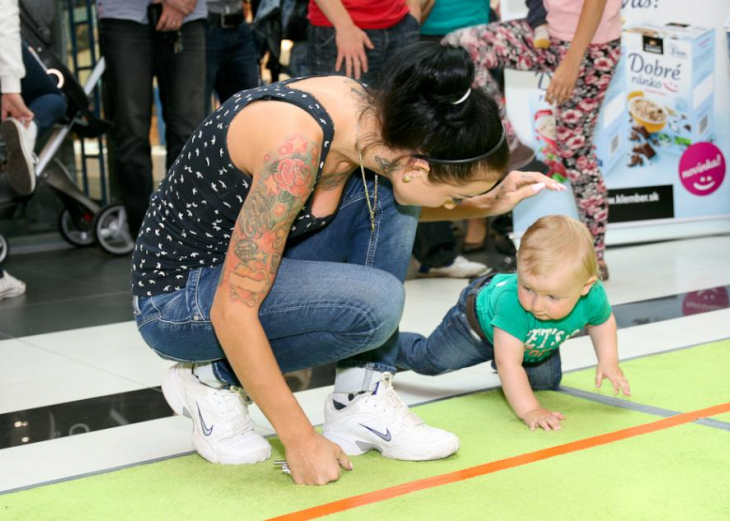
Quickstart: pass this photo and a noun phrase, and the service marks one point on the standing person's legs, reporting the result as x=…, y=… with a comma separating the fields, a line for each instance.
x=231, y=64
x=435, y=244
x=536, y=13
x=181, y=80
x=240, y=69
x=502, y=45
x=322, y=51
x=41, y=94
x=322, y=48
x=575, y=125
x=387, y=42
x=129, y=53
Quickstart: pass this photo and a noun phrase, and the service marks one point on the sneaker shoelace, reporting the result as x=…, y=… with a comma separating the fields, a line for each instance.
x=233, y=407
x=391, y=404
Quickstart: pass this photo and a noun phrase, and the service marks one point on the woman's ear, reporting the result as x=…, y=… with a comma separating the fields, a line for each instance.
x=415, y=168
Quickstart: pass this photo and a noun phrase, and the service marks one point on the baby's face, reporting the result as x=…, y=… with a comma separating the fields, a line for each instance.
x=553, y=296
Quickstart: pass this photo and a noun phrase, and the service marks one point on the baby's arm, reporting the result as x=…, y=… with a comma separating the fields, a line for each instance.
x=606, y=345
x=508, y=353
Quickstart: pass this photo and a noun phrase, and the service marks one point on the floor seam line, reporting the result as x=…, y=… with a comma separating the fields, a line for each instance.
x=637, y=407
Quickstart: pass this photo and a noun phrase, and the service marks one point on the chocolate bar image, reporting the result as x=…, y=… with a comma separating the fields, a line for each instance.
x=636, y=160
x=641, y=131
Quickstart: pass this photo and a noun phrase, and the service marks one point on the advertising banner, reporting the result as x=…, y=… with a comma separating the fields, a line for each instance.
x=663, y=136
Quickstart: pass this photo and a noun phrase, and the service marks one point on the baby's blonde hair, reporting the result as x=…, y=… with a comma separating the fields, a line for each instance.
x=554, y=241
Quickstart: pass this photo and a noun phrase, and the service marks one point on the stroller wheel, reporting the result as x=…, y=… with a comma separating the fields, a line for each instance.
x=78, y=232
x=3, y=248
x=112, y=231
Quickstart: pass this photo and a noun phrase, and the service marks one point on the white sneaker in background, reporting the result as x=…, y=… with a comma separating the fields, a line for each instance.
x=381, y=421
x=10, y=286
x=19, y=142
x=461, y=268
x=223, y=431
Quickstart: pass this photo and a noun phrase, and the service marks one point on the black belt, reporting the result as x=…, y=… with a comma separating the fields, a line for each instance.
x=226, y=21
x=471, y=309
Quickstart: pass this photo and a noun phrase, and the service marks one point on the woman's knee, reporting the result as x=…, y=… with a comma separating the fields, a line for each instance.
x=378, y=303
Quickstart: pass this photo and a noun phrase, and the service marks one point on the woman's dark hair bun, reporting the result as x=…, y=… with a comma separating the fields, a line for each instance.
x=441, y=73
x=416, y=99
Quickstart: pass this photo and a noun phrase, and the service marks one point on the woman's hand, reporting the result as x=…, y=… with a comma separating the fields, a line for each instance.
x=513, y=189
x=315, y=460
x=562, y=85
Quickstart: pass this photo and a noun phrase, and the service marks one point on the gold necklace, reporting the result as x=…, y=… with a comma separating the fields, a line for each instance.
x=374, y=205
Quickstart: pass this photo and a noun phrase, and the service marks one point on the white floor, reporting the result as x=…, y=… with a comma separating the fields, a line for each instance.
x=72, y=365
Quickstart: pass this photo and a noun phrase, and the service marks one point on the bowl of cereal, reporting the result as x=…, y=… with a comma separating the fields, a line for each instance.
x=648, y=114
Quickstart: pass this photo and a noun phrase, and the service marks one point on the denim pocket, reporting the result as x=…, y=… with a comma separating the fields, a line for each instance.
x=323, y=35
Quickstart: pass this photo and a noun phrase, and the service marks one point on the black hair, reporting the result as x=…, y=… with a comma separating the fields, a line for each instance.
x=414, y=101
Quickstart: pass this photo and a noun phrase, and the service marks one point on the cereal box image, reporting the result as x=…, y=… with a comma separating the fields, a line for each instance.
x=670, y=83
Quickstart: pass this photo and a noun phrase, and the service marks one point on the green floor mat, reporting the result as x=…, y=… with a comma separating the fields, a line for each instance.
x=683, y=380
x=675, y=474
x=190, y=488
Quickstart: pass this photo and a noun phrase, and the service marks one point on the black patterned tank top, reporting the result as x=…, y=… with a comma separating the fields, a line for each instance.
x=191, y=216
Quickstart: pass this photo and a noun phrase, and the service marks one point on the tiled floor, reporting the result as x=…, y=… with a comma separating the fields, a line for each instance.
x=71, y=340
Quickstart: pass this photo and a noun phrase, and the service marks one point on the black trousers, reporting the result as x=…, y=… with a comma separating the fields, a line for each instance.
x=135, y=54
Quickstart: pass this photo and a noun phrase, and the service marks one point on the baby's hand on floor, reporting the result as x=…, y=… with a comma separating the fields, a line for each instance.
x=615, y=375
x=547, y=420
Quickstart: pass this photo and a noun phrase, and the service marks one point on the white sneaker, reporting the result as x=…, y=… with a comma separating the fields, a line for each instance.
x=10, y=286
x=381, y=421
x=461, y=268
x=223, y=431
x=19, y=142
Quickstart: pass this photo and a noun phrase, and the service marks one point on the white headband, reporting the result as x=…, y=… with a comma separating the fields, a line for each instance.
x=463, y=98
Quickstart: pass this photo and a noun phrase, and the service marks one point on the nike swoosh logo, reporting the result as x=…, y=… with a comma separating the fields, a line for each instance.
x=206, y=430
x=385, y=436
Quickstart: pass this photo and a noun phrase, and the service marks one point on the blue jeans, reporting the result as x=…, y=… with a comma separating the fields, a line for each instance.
x=231, y=63
x=40, y=94
x=454, y=345
x=322, y=47
x=338, y=295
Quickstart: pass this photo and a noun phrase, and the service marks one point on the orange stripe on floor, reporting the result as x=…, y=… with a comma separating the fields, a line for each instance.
x=495, y=466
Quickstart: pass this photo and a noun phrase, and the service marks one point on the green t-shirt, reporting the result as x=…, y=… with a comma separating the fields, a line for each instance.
x=498, y=306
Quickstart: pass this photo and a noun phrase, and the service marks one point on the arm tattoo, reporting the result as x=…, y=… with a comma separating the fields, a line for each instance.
x=281, y=188
x=331, y=181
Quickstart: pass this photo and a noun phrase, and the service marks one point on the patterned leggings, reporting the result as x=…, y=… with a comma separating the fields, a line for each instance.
x=509, y=45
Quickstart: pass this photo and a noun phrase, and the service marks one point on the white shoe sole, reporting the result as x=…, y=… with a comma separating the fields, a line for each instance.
x=353, y=445
x=12, y=292
x=20, y=167
x=174, y=397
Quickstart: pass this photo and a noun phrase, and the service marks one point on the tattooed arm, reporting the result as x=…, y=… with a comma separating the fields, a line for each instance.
x=513, y=189
x=279, y=190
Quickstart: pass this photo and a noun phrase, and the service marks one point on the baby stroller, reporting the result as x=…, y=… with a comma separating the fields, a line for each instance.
x=83, y=220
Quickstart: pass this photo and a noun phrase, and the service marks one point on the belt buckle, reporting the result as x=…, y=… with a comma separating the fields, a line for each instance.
x=226, y=25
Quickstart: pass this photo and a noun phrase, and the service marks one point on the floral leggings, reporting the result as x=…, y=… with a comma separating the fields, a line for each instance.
x=509, y=45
